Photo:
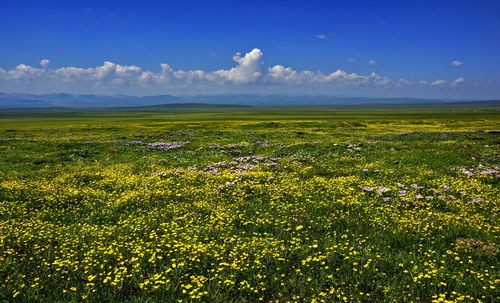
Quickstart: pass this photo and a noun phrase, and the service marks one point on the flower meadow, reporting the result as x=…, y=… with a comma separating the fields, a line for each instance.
x=320, y=210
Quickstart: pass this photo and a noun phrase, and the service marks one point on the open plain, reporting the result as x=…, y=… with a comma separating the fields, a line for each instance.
x=274, y=205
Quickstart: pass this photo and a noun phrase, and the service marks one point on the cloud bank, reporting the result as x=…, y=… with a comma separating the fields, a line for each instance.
x=249, y=70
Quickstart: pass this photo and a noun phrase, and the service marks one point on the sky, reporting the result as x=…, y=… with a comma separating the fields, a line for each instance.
x=424, y=49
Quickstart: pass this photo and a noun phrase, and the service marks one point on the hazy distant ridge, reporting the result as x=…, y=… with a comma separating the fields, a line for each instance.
x=98, y=101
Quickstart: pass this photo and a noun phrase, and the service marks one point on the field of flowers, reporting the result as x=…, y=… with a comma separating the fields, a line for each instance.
x=319, y=210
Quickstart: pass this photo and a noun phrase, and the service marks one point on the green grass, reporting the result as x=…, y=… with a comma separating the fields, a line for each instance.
x=341, y=205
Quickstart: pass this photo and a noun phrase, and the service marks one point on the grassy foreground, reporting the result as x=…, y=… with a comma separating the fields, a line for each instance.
x=246, y=206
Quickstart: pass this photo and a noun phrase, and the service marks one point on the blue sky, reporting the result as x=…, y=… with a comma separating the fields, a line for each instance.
x=303, y=47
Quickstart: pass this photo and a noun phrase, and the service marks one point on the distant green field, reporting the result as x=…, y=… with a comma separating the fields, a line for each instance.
x=28, y=119
x=367, y=204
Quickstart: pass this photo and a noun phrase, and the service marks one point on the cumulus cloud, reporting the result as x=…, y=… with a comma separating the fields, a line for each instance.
x=111, y=75
x=286, y=75
x=249, y=70
x=372, y=62
x=457, y=81
x=456, y=63
x=438, y=82
x=20, y=72
x=279, y=73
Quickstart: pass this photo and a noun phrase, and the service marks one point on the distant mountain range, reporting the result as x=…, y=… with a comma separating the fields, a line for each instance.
x=69, y=101
x=81, y=101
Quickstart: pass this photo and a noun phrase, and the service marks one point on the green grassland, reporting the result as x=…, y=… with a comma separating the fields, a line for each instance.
x=374, y=204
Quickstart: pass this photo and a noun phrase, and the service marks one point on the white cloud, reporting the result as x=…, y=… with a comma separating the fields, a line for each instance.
x=44, y=63
x=438, y=82
x=73, y=74
x=248, y=71
x=279, y=73
x=456, y=63
x=457, y=81
x=111, y=76
x=402, y=82
x=325, y=36
x=286, y=75
x=379, y=80
x=372, y=62
x=21, y=72
x=111, y=71
x=351, y=60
